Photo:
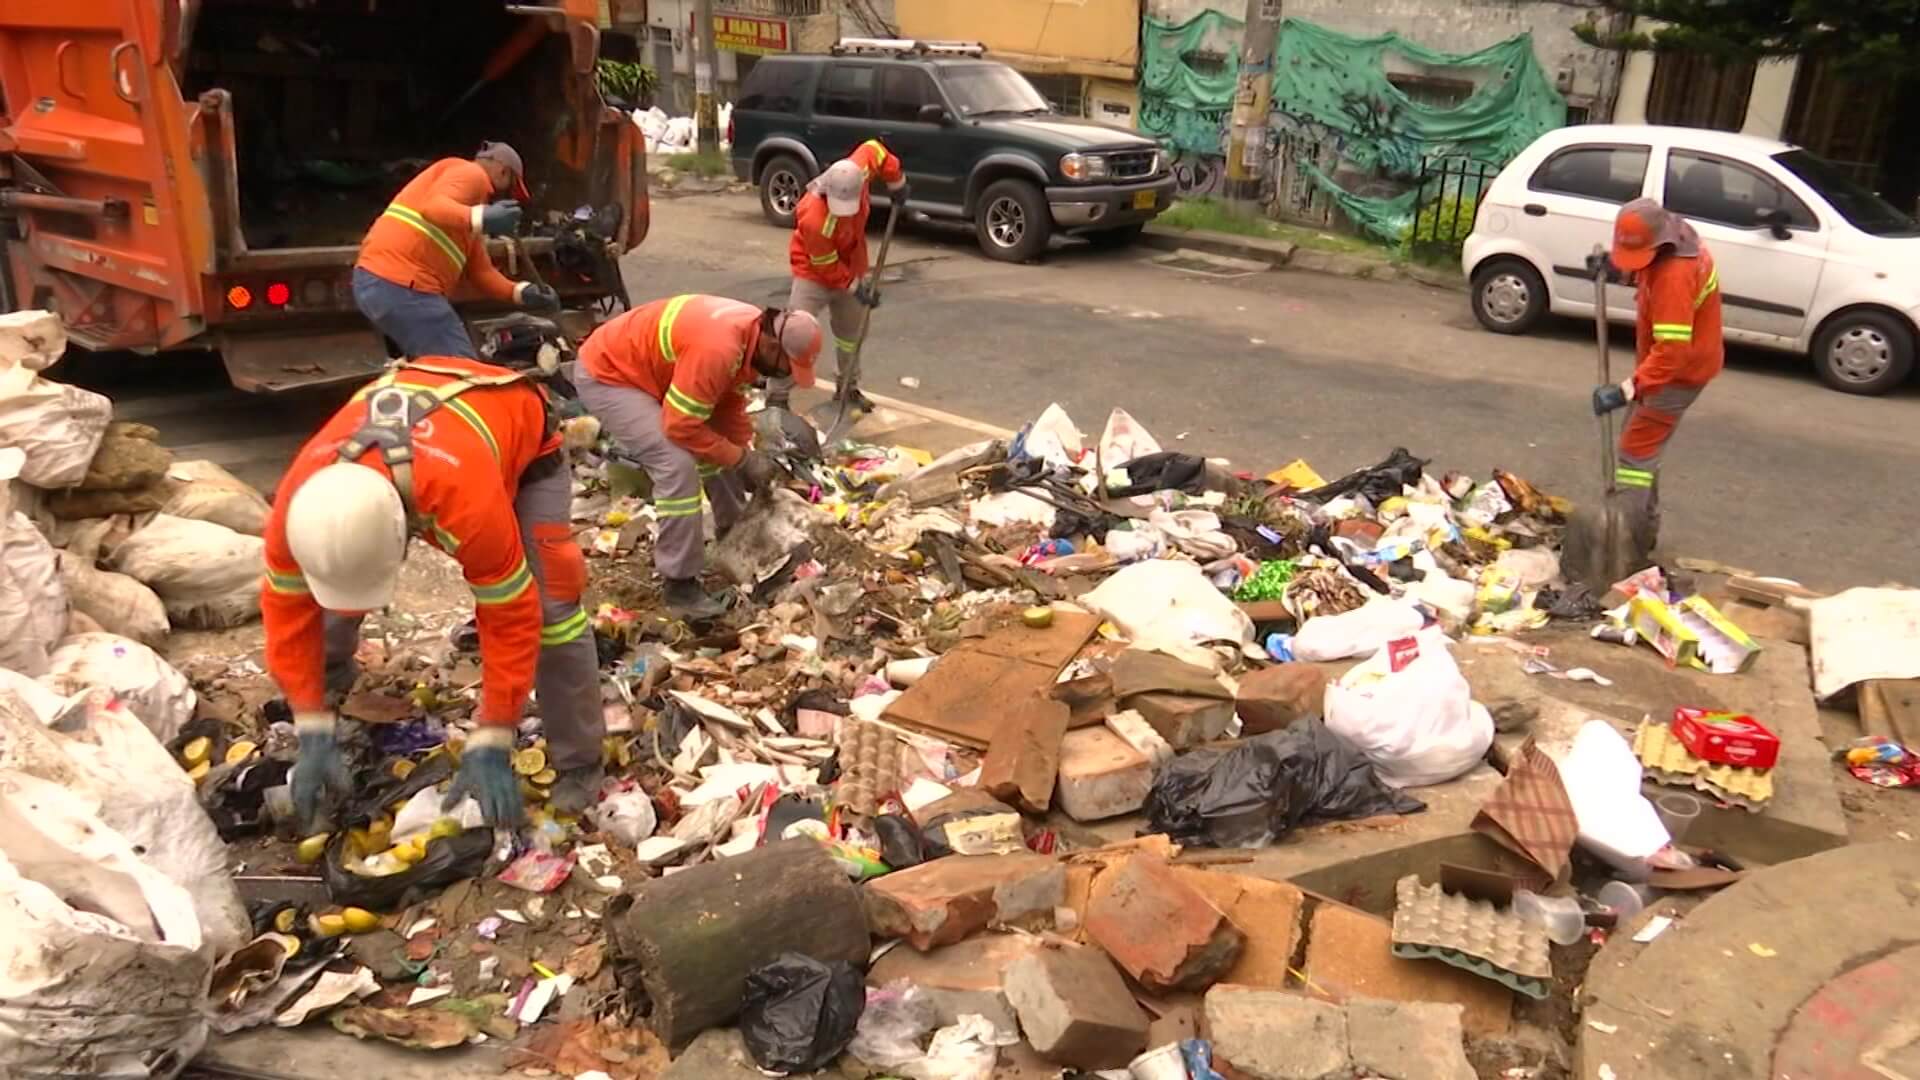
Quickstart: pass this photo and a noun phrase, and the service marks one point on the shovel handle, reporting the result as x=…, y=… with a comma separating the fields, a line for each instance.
x=1607, y=460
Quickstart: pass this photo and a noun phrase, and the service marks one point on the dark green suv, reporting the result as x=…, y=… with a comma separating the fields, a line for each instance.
x=978, y=141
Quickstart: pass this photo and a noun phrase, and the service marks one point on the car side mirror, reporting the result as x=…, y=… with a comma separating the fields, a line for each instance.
x=1777, y=222
x=933, y=114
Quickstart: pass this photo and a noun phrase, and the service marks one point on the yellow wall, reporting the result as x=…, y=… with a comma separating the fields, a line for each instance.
x=1094, y=37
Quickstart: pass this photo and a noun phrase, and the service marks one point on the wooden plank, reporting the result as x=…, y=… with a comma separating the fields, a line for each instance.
x=1053, y=645
x=1891, y=707
x=1767, y=592
x=965, y=696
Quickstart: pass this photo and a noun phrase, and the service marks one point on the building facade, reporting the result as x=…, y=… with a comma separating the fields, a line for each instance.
x=744, y=31
x=1082, y=55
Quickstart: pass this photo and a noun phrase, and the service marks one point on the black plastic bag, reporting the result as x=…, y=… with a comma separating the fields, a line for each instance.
x=1260, y=790
x=451, y=859
x=797, y=1014
x=1377, y=483
x=1167, y=470
x=900, y=844
x=376, y=788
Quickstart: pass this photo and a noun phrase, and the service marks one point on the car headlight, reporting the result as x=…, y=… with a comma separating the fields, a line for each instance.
x=1077, y=166
x=1159, y=163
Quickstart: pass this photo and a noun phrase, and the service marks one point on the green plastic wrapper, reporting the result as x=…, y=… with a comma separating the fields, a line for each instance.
x=1267, y=583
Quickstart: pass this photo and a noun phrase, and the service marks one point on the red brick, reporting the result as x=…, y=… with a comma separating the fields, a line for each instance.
x=1350, y=955
x=1159, y=929
x=1267, y=912
x=943, y=901
x=1024, y=756
x=1181, y=720
x=1275, y=698
x=1075, y=1008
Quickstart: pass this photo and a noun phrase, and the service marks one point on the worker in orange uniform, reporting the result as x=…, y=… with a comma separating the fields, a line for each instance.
x=1678, y=350
x=828, y=254
x=464, y=455
x=665, y=381
x=431, y=237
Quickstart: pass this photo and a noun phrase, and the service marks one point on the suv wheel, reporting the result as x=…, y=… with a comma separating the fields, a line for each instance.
x=782, y=183
x=1863, y=352
x=1508, y=296
x=1012, y=221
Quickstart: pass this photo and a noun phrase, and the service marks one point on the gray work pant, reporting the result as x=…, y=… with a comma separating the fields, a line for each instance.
x=842, y=316
x=1643, y=442
x=632, y=418
x=567, y=681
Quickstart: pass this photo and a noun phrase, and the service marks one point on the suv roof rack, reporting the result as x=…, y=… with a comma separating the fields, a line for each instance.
x=909, y=47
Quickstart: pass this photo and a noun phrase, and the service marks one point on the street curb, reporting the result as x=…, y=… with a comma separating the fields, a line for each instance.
x=1168, y=238
x=1284, y=254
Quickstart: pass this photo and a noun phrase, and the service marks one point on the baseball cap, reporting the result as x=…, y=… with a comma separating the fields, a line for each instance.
x=800, y=339
x=842, y=185
x=508, y=156
x=1638, y=231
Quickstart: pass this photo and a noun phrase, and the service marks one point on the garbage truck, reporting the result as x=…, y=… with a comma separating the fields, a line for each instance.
x=198, y=174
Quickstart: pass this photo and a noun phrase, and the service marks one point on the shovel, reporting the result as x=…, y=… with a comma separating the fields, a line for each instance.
x=1599, y=545
x=841, y=409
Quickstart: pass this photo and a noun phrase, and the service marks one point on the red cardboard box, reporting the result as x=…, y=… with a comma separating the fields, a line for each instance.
x=1726, y=738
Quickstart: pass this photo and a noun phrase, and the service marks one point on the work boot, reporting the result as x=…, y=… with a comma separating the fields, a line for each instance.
x=687, y=600
x=860, y=402
x=577, y=789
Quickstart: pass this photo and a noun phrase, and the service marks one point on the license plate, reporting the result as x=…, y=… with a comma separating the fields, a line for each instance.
x=1143, y=200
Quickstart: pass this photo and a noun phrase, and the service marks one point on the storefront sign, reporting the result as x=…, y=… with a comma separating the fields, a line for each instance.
x=746, y=34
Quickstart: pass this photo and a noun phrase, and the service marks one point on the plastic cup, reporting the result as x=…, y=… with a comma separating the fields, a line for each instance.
x=1677, y=812
x=279, y=802
x=1160, y=1063
x=1565, y=923
x=1624, y=898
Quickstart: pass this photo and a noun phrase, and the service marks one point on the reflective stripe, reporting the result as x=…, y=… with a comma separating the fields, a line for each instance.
x=824, y=260
x=460, y=408
x=710, y=470
x=879, y=152
x=687, y=506
x=1672, y=332
x=826, y=228
x=688, y=404
x=846, y=343
x=448, y=542
x=567, y=629
x=411, y=217
x=509, y=588
x=1713, y=282
x=286, y=583
x=666, y=325
x=1629, y=477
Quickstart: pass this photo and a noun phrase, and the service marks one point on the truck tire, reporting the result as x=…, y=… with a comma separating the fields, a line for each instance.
x=1863, y=352
x=782, y=182
x=1012, y=221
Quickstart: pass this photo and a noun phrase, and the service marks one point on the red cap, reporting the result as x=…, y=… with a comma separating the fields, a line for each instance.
x=800, y=339
x=508, y=156
x=1637, y=234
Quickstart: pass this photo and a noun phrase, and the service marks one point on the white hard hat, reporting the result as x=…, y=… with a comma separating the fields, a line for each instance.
x=842, y=184
x=347, y=529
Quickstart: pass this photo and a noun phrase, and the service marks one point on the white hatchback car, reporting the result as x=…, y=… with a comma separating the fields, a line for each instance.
x=1809, y=260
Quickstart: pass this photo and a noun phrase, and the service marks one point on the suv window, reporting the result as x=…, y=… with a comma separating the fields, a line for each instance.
x=1726, y=193
x=902, y=91
x=1609, y=173
x=846, y=90
x=774, y=86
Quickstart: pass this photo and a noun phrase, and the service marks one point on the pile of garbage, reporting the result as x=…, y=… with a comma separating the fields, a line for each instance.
x=669, y=134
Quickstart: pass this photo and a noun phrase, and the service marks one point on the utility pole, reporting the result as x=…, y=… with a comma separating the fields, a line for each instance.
x=706, y=119
x=1252, y=94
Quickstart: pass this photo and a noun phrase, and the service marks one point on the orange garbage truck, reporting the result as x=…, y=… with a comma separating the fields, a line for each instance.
x=198, y=174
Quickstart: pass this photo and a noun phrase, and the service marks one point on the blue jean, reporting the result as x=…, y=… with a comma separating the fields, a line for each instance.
x=422, y=324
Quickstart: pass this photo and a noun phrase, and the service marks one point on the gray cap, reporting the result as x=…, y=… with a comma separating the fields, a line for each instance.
x=508, y=156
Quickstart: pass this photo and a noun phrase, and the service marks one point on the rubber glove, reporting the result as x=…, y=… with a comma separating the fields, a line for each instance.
x=866, y=293
x=540, y=298
x=1600, y=263
x=1610, y=397
x=899, y=193
x=757, y=470
x=486, y=773
x=501, y=218
x=319, y=770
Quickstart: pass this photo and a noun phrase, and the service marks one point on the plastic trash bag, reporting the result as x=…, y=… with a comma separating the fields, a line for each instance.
x=59, y=426
x=897, y=1017
x=103, y=971
x=1256, y=792
x=1602, y=777
x=118, y=602
x=159, y=695
x=203, y=491
x=450, y=859
x=627, y=814
x=1377, y=483
x=207, y=574
x=798, y=1014
x=33, y=599
x=1165, y=605
x=1411, y=712
x=1355, y=633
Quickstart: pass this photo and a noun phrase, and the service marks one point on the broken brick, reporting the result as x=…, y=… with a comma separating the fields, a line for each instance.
x=962, y=978
x=1350, y=953
x=1184, y=721
x=943, y=901
x=1101, y=776
x=1075, y=1008
x=1159, y=929
x=1024, y=756
x=1267, y=912
x=1276, y=698
x=1275, y=1035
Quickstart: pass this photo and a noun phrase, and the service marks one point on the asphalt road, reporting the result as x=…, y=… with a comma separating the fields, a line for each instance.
x=1771, y=471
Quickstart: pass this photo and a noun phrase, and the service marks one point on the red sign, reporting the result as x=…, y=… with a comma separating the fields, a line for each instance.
x=746, y=34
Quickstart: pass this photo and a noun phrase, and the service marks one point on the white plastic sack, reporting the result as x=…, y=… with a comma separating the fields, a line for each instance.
x=160, y=696
x=102, y=968
x=1410, y=711
x=1169, y=606
x=417, y=816
x=120, y=604
x=33, y=340
x=628, y=814
x=204, y=491
x=58, y=426
x=33, y=601
x=207, y=575
x=1602, y=777
x=1011, y=508
x=1356, y=633
x=1053, y=438
x=93, y=746
x=1196, y=532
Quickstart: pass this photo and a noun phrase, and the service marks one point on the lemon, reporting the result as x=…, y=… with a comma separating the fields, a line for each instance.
x=359, y=920
x=445, y=827
x=197, y=751
x=241, y=751
x=312, y=848
x=401, y=768
x=529, y=761
x=1038, y=618
x=199, y=772
x=545, y=777
x=286, y=919
x=327, y=926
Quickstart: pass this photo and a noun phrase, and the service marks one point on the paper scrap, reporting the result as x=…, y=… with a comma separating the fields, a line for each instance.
x=1603, y=1027
x=541, y=996
x=420, y=927
x=329, y=990
x=1762, y=951
x=1654, y=928
x=423, y=994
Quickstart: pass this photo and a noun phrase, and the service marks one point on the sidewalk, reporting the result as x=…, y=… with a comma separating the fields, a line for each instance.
x=1287, y=255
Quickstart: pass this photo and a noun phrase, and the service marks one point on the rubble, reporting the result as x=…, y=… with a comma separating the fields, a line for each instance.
x=1075, y=1009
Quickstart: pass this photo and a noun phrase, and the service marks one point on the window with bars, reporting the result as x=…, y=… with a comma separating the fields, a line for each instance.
x=1066, y=93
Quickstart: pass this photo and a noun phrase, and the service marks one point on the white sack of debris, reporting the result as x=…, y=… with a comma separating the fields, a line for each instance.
x=208, y=575
x=57, y=426
x=158, y=694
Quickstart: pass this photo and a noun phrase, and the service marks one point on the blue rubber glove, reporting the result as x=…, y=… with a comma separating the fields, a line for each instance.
x=866, y=293
x=319, y=771
x=1612, y=396
x=501, y=218
x=486, y=773
x=540, y=298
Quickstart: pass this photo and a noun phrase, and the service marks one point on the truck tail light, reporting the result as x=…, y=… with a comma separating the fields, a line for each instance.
x=729, y=130
x=239, y=298
x=278, y=293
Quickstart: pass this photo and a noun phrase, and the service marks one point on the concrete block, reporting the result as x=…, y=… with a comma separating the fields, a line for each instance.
x=1139, y=734
x=965, y=977
x=1161, y=930
x=1267, y=912
x=1101, y=776
x=718, y=1054
x=1401, y=1040
x=943, y=901
x=1075, y=1008
x=1181, y=720
x=1275, y=698
x=1274, y=1035
x=1350, y=953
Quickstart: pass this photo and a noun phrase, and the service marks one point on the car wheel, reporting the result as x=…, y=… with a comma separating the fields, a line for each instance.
x=1012, y=221
x=1508, y=296
x=782, y=183
x=1863, y=352
x=1116, y=238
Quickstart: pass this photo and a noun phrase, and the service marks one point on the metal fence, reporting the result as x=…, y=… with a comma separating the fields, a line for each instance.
x=1448, y=192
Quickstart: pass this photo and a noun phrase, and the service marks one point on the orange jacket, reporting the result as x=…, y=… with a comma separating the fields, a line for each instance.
x=831, y=250
x=1677, y=336
x=469, y=456
x=429, y=236
x=693, y=354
